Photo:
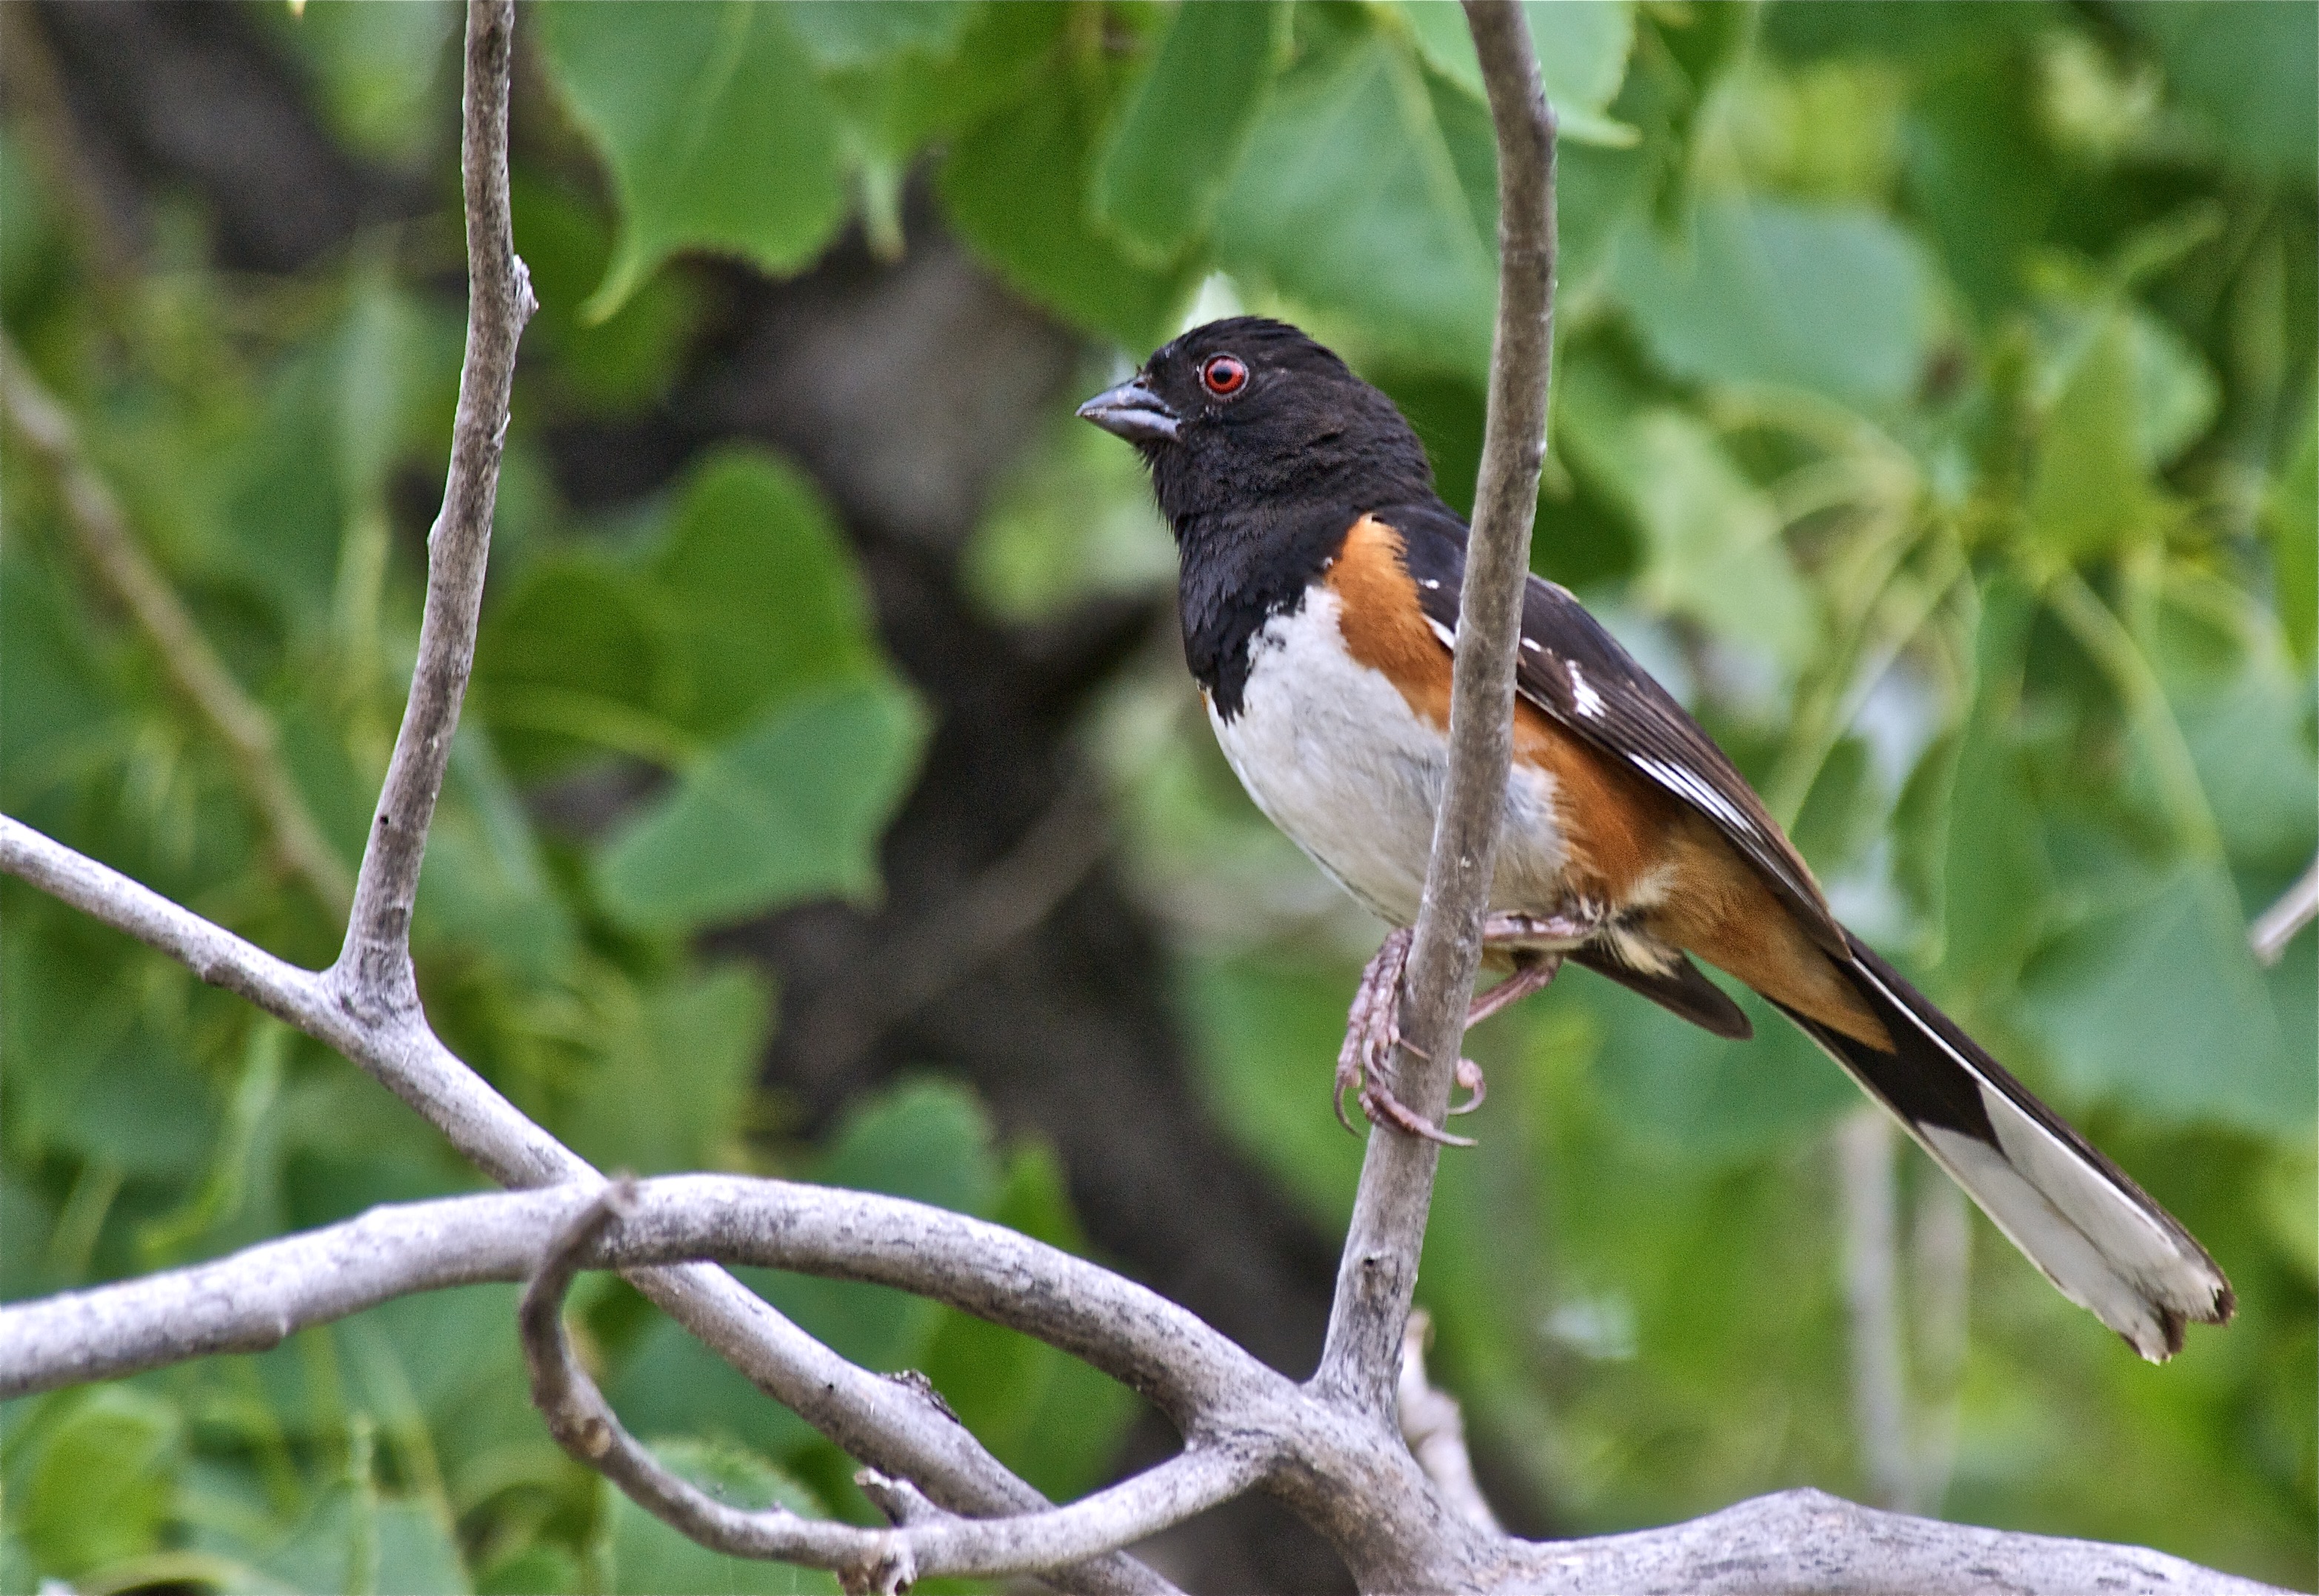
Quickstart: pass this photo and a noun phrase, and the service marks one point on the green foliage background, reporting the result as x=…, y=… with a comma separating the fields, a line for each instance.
x=1934, y=410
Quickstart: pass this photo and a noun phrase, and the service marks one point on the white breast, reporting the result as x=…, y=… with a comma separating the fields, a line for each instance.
x=1335, y=757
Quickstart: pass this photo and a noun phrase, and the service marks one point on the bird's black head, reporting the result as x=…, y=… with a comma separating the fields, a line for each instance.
x=1248, y=412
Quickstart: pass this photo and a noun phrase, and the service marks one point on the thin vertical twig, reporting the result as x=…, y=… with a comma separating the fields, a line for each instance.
x=1377, y=1273
x=1433, y=1428
x=1866, y=1180
x=1940, y=1275
x=373, y=971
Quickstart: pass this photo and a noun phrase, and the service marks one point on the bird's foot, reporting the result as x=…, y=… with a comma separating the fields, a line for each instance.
x=1372, y=1024
x=1373, y=1028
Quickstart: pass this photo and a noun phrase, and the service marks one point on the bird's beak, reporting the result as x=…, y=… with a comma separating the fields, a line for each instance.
x=1133, y=411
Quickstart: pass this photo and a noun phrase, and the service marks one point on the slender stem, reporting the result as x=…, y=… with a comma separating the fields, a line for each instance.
x=2276, y=926
x=1867, y=1179
x=1377, y=1275
x=373, y=968
x=193, y=667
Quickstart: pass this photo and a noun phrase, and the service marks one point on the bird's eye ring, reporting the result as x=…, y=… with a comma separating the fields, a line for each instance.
x=1224, y=375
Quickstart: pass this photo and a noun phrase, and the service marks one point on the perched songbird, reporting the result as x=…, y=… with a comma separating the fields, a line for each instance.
x=1320, y=588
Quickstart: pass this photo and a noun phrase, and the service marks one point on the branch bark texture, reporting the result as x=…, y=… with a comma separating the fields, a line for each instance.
x=1333, y=1448
x=1244, y=1424
x=1377, y=1275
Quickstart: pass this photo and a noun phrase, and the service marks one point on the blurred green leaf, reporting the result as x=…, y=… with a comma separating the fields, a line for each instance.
x=673, y=1072
x=2089, y=491
x=928, y=1141
x=1834, y=299
x=54, y=698
x=1016, y=189
x=100, y=1490
x=2291, y=516
x=1996, y=880
x=617, y=363
x=1269, y=1032
x=570, y=658
x=756, y=595
x=1711, y=537
x=377, y=67
x=2248, y=728
x=925, y=89
x=1978, y=169
x=715, y=130
x=1158, y=177
x=1354, y=198
x=2155, y=1001
x=748, y=598
x=2246, y=67
x=353, y=1541
x=792, y=808
x=2175, y=395
x=645, y=1557
x=840, y=33
x=1703, y=1098
x=487, y=891
x=285, y=500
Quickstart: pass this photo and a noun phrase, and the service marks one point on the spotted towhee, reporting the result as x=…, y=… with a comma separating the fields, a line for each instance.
x=1320, y=589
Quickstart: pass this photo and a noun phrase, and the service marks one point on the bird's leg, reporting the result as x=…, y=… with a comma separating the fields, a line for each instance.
x=1371, y=1031
x=1538, y=941
x=1373, y=1025
x=1534, y=971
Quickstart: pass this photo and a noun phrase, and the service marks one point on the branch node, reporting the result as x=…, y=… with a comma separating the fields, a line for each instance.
x=902, y=1502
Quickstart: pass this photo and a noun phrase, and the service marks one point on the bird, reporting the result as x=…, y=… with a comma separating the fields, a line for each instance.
x=1319, y=587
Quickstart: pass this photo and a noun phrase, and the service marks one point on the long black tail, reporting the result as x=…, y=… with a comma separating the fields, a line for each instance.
x=2079, y=1218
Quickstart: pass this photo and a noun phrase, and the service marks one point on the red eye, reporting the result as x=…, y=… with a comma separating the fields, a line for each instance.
x=1224, y=375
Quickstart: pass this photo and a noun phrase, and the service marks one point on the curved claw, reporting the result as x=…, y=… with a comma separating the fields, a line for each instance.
x=1383, y=1108
x=1470, y=1077
x=1337, y=1101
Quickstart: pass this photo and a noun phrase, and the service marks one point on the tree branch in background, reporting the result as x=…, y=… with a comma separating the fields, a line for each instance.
x=1434, y=1426
x=1867, y=1185
x=1377, y=1275
x=2276, y=926
x=193, y=668
x=1244, y=1424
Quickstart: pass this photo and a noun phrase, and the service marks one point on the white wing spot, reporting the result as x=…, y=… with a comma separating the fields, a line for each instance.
x=1582, y=693
x=1531, y=644
x=1449, y=639
x=1429, y=582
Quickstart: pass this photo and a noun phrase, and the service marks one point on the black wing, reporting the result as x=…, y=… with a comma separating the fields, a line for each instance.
x=1576, y=672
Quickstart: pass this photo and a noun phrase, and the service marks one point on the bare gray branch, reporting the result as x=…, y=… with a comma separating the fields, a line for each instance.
x=1377, y=1275
x=1246, y=1425
x=375, y=966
